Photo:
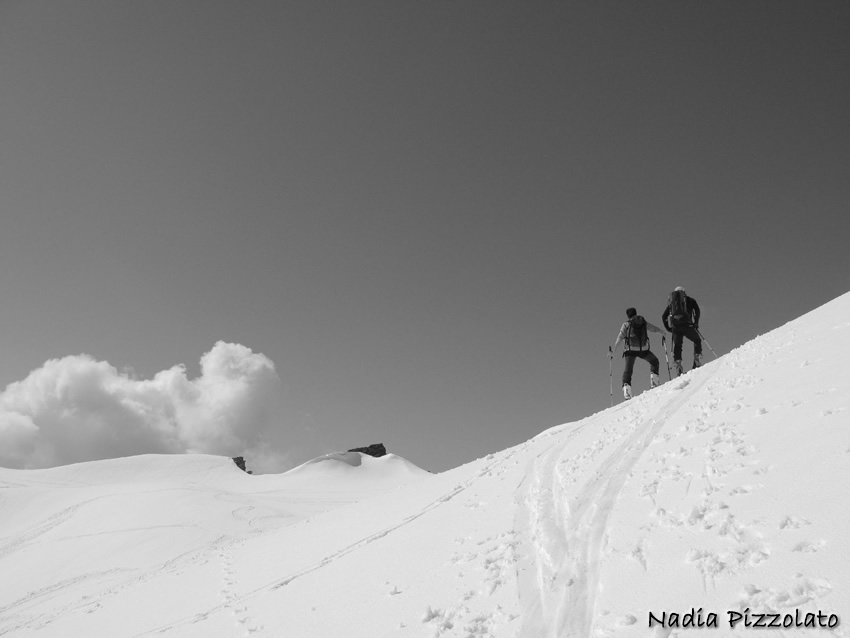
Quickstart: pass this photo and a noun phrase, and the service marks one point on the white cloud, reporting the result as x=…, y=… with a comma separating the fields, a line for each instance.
x=78, y=409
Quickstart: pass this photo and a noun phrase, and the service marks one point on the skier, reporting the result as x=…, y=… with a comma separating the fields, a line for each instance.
x=633, y=334
x=681, y=317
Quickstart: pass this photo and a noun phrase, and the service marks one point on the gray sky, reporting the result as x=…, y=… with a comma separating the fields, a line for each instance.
x=430, y=216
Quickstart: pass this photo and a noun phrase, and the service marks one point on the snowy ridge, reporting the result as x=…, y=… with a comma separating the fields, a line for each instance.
x=699, y=450
x=721, y=491
x=347, y=469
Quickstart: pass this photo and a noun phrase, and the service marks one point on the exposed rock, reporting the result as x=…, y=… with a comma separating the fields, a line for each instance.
x=240, y=463
x=376, y=449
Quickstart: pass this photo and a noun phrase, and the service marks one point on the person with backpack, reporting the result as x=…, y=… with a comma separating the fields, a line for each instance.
x=633, y=334
x=681, y=317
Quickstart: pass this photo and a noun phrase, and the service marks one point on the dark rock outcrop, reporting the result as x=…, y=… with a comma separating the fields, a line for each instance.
x=240, y=463
x=376, y=450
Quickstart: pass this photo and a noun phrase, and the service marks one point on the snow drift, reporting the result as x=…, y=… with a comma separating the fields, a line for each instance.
x=719, y=496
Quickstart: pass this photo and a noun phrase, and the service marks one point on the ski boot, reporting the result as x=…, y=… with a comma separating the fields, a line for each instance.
x=679, y=369
x=697, y=360
x=627, y=391
x=653, y=380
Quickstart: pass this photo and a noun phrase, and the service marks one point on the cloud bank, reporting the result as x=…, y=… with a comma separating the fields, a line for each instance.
x=79, y=409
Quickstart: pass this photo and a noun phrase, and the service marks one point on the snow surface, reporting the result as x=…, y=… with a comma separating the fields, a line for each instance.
x=724, y=490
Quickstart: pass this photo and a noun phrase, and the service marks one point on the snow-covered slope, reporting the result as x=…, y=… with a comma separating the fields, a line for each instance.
x=723, y=490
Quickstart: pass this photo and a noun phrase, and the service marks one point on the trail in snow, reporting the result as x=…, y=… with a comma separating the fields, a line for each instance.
x=568, y=519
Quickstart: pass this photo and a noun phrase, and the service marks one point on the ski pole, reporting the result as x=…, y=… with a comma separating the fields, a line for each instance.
x=666, y=357
x=611, y=372
x=706, y=342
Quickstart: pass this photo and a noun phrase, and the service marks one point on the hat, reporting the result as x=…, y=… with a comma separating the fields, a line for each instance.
x=678, y=288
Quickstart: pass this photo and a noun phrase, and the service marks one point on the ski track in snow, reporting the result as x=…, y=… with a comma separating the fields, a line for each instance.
x=113, y=582
x=100, y=586
x=567, y=533
x=19, y=541
x=20, y=619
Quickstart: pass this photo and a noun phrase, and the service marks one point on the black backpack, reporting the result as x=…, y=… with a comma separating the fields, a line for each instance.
x=636, y=337
x=679, y=315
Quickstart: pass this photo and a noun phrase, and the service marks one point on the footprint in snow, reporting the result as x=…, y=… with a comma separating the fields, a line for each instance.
x=807, y=547
x=793, y=522
x=743, y=489
x=661, y=632
x=800, y=593
x=745, y=450
x=627, y=620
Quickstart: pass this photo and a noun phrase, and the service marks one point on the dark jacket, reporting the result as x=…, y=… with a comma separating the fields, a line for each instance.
x=692, y=308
